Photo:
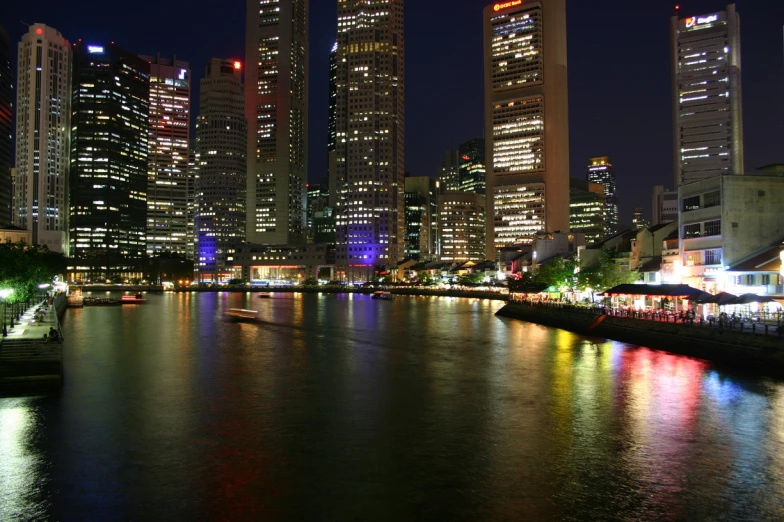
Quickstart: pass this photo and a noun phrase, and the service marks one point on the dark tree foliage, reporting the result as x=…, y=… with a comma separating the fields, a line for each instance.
x=24, y=267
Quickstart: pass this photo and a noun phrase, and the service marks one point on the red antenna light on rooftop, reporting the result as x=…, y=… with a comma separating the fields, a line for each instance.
x=237, y=65
x=39, y=31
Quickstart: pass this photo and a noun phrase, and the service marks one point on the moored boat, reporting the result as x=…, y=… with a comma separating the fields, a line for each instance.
x=138, y=298
x=265, y=295
x=387, y=296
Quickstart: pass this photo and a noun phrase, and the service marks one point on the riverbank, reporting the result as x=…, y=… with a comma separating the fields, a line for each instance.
x=498, y=296
x=29, y=364
x=755, y=351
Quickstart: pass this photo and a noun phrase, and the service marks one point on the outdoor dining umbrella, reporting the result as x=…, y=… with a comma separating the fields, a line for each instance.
x=750, y=298
x=722, y=298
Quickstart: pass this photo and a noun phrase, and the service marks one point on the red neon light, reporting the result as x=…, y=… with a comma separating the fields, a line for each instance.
x=467, y=158
x=507, y=5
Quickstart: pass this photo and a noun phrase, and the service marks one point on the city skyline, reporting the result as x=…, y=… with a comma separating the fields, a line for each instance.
x=625, y=125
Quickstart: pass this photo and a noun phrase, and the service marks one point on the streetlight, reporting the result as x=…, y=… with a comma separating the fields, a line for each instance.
x=5, y=294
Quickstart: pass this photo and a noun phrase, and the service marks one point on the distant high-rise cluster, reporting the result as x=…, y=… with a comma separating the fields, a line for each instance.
x=526, y=121
x=107, y=172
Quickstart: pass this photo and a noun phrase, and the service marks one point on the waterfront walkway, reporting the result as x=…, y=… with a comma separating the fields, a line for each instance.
x=32, y=324
x=767, y=325
x=31, y=364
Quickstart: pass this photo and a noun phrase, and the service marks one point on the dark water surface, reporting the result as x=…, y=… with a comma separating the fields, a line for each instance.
x=345, y=408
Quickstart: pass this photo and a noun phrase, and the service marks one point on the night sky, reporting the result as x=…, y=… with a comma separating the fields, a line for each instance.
x=619, y=72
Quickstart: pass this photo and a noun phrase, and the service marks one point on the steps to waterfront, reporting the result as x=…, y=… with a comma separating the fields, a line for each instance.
x=29, y=364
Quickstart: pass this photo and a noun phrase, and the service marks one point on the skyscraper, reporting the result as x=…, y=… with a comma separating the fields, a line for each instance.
x=706, y=85
x=526, y=121
x=449, y=173
x=461, y=228
x=109, y=160
x=43, y=128
x=370, y=135
x=276, y=108
x=587, y=209
x=332, y=152
x=472, y=172
x=169, y=135
x=638, y=219
x=600, y=170
x=221, y=146
x=421, y=218
x=6, y=118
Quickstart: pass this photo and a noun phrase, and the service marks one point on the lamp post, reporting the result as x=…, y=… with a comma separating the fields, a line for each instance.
x=4, y=294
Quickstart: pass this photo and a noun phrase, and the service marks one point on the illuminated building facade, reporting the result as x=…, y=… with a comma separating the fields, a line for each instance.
x=221, y=147
x=526, y=120
x=665, y=205
x=600, y=170
x=462, y=227
x=318, y=200
x=421, y=218
x=449, y=173
x=109, y=158
x=519, y=213
x=472, y=171
x=169, y=135
x=587, y=210
x=332, y=150
x=370, y=136
x=276, y=108
x=639, y=221
x=706, y=84
x=6, y=118
x=43, y=128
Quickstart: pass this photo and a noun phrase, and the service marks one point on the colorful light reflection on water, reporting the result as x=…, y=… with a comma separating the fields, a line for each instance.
x=341, y=407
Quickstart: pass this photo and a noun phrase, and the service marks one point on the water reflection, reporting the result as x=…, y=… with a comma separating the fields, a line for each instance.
x=342, y=407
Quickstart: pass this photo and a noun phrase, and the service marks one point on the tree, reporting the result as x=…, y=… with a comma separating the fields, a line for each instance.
x=471, y=279
x=23, y=268
x=425, y=279
x=557, y=272
x=310, y=282
x=606, y=273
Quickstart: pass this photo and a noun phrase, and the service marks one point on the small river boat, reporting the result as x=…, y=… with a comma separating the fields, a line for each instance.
x=133, y=299
x=241, y=315
x=386, y=296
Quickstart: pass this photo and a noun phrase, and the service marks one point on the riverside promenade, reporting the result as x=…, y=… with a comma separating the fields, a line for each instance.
x=30, y=364
x=762, y=349
x=499, y=295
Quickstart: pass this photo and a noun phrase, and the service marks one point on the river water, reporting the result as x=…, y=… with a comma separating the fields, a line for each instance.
x=345, y=408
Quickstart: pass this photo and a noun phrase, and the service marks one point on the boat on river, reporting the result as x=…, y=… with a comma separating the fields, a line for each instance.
x=386, y=296
x=100, y=301
x=133, y=299
x=264, y=295
x=241, y=315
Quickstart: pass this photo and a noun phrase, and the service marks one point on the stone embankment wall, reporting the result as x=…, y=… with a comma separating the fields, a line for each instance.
x=721, y=345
